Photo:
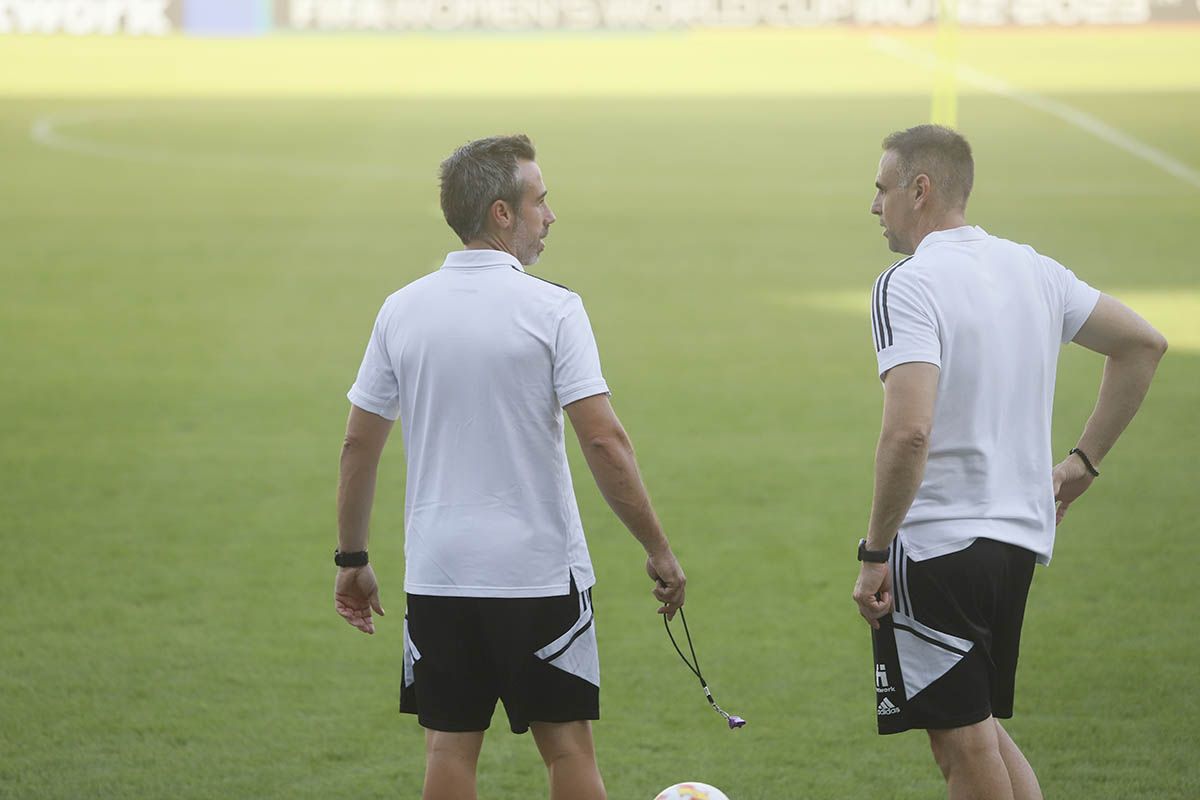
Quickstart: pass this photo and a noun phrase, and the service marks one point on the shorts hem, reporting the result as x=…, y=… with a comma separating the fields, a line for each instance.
x=942, y=725
x=582, y=716
x=448, y=727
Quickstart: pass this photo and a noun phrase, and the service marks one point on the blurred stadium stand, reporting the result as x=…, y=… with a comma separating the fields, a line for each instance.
x=257, y=17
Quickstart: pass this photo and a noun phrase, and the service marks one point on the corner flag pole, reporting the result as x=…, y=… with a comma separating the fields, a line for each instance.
x=945, y=88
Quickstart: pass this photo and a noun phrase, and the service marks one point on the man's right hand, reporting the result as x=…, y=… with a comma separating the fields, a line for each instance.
x=1071, y=479
x=669, y=581
x=356, y=595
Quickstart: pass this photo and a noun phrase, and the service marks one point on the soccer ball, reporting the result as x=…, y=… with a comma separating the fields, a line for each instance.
x=691, y=791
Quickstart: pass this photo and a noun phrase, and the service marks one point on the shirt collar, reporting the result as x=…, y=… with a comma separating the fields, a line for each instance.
x=468, y=259
x=966, y=233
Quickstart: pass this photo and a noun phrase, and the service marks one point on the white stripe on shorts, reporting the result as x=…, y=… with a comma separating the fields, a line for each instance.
x=576, y=651
x=411, y=655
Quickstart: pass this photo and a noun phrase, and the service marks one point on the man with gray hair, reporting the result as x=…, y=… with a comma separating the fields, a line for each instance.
x=479, y=360
x=967, y=330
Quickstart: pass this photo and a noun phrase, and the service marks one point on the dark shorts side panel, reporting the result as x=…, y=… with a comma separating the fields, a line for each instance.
x=537, y=655
x=947, y=655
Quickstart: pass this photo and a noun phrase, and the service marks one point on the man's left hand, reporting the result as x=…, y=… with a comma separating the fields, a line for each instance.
x=873, y=592
x=355, y=594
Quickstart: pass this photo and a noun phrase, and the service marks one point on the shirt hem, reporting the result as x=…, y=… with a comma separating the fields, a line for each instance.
x=550, y=590
x=911, y=536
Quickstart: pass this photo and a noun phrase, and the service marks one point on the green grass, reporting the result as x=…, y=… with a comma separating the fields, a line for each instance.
x=176, y=338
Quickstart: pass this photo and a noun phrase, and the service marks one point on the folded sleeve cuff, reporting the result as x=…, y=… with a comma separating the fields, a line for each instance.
x=373, y=404
x=579, y=391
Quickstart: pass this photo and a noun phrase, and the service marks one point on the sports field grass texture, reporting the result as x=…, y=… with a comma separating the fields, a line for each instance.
x=195, y=237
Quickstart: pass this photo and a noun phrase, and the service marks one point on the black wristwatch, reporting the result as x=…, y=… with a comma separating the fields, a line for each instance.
x=873, y=556
x=358, y=559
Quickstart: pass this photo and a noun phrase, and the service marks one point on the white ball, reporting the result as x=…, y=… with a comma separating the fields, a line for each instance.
x=691, y=791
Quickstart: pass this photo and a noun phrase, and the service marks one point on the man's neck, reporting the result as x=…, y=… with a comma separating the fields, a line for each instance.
x=488, y=241
x=942, y=222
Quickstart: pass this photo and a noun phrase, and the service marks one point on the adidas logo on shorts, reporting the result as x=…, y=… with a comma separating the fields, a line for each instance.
x=887, y=707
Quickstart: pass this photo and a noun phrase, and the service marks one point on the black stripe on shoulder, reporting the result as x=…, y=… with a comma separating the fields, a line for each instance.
x=875, y=312
x=543, y=280
x=877, y=307
x=887, y=320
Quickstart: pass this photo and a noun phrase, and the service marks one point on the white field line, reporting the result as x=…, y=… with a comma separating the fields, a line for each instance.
x=48, y=131
x=1174, y=311
x=1073, y=116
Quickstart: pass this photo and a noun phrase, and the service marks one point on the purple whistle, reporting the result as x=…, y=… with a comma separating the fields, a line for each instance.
x=735, y=722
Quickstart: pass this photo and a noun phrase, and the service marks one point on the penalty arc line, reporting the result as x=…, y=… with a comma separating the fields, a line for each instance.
x=1073, y=116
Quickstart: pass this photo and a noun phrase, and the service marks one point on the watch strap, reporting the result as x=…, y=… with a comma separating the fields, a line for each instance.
x=357, y=559
x=872, y=556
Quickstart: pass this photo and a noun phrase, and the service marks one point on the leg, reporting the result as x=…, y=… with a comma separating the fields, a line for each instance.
x=971, y=762
x=450, y=761
x=1024, y=782
x=570, y=758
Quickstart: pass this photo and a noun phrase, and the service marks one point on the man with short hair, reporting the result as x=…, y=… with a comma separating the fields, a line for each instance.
x=478, y=360
x=967, y=330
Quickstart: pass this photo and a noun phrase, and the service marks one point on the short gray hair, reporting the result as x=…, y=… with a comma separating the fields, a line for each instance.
x=939, y=152
x=478, y=174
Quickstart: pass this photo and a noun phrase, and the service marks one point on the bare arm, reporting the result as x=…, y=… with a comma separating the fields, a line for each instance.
x=909, y=392
x=610, y=457
x=366, y=434
x=356, y=591
x=1134, y=349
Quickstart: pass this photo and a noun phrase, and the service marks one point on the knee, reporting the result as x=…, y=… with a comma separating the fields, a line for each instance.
x=566, y=753
x=957, y=746
x=453, y=748
x=560, y=743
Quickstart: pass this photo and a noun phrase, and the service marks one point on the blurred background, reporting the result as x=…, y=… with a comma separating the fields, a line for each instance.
x=204, y=202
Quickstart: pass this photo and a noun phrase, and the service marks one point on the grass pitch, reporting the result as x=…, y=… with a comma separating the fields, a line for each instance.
x=196, y=236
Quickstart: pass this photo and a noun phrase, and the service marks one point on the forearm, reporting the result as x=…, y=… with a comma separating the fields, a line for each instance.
x=899, y=466
x=356, y=495
x=612, y=462
x=1126, y=380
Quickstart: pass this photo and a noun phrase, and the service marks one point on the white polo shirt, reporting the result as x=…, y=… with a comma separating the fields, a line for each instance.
x=993, y=315
x=477, y=361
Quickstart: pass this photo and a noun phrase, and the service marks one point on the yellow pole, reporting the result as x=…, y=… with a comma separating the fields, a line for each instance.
x=945, y=88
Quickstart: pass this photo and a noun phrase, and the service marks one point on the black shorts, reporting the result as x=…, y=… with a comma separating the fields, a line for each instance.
x=537, y=654
x=946, y=656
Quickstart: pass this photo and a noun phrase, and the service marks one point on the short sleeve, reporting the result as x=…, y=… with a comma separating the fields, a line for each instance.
x=376, y=389
x=1079, y=299
x=576, y=359
x=903, y=321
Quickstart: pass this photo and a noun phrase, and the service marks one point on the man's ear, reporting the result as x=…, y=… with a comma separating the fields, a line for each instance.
x=501, y=215
x=921, y=189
